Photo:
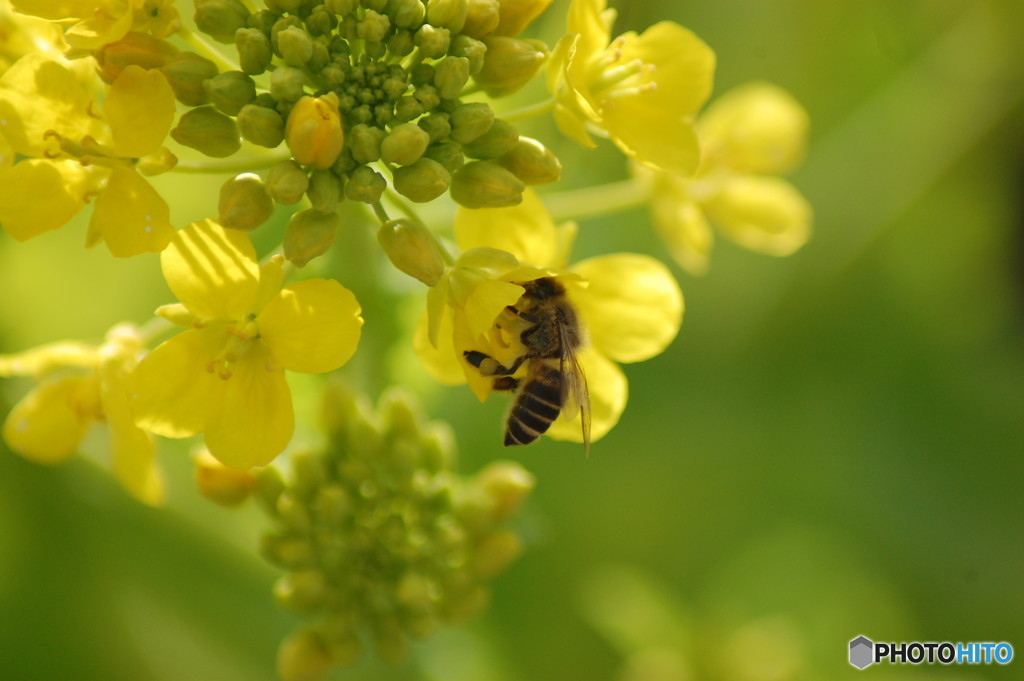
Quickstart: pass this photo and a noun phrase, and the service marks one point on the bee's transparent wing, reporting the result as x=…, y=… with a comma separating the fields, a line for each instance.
x=575, y=394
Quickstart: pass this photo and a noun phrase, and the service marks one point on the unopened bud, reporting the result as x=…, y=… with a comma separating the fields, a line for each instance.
x=262, y=20
x=366, y=185
x=220, y=18
x=517, y=15
x=450, y=14
x=423, y=181
x=509, y=64
x=364, y=142
x=469, y=121
x=485, y=184
x=134, y=49
x=433, y=41
x=495, y=552
x=532, y=162
x=470, y=48
x=295, y=45
x=499, y=140
x=450, y=76
x=186, y=74
x=320, y=21
x=157, y=162
x=447, y=154
x=401, y=43
x=507, y=484
x=427, y=96
x=286, y=84
x=373, y=27
x=244, y=202
x=303, y=656
x=436, y=126
x=408, y=108
x=267, y=487
x=413, y=249
x=341, y=7
x=261, y=125
x=220, y=484
x=309, y=234
x=208, y=131
x=407, y=13
x=287, y=182
x=301, y=592
x=325, y=191
x=482, y=18
x=254, y=53
x=313, y=131
x=230, y=91
x=404, y=144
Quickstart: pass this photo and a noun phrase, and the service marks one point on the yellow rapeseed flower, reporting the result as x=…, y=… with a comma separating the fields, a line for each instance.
x=748, y=136
x=91, y=24
x=640, y=90
x=224, y=375
x=80, y=385
x=74, y=150
x=629, y=305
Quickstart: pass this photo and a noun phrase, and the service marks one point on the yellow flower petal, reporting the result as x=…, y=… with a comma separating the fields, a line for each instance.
x=764, y=214
x=437, y=298
x=254, y=420
x=39, y=195
x=46, y=358
x=139, y=108
x=486, y=302
x=685, y=231
x=524, y=230
x=212, y=270
x=312, y=326
x=6, y=152
x=50, y=421
x=171, y=390
x=55, y=9
x=39, y=94
x=130, y=216
x=463, y=340
x=609, y=392
x=632, y=307
x=658, y=137
x=440, y=362
x=271, y=281
x=592, y=22
x=104, y=25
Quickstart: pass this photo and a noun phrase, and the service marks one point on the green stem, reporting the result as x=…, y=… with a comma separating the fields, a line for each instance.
x=152, y=329
x=234, y=165
x=379, y=211
x=203, y=46
x=598, y=200
x=531, y=111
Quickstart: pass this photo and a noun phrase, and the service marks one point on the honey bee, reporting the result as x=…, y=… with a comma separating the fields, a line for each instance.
x=553, y=382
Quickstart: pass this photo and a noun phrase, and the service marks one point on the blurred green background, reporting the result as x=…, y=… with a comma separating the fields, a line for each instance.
x=832, y=446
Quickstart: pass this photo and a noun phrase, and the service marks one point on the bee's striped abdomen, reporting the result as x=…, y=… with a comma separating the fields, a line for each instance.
x=537, y=405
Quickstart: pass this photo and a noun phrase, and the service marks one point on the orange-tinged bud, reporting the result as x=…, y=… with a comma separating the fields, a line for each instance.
x=138, y=49
x=313, y=131
x=220, y=484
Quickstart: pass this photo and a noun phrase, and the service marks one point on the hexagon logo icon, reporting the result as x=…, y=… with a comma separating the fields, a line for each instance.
x=861, y=652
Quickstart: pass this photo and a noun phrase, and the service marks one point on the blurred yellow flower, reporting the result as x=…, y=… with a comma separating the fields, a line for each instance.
x=94, y=23
x=48, y=114
x=224, y=376
x=640, y=90
x=748, y=135
x=80, y=385
x=20, y=35
x=629, y=305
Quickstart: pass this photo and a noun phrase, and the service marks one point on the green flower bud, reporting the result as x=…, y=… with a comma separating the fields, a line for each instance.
x=532, y=162
x=244, y=203
x=482, y=18
x=280, y=25
x=404, y=144
x=407, y=13
x=436, y=125
x=366, y=185
x=423, y=181
x=295, y=46
x=499, y=140
x=186, y=74
x=509, y=64
x=341, y=7
x=495, y=552
x=450, y=14
x=230, y=91
x=427, y=96
x=469, y=121
x=208, y=131
x=267, y=487
x=421, y=74
x=408, y=108
x=325, y=191
x=517, y=14
x=309, y=234
x=485, y=184
x=301, y=592
x=401, y=43
x=262, y=20
x=286, y=84
x=507, y=484
x=254, y=53
x=447, y=154
x=470, y=48
x=333, y=504
x=433, y=41
x=450, y=76
x=220, y=18
x=364, y=142
x=261, y=125
x=293, y=513
x=413, y=249
x=345, y=164
x=320, y=21
x=287, y=182
x=374, y=27
x=320, y=59
x=375, y=5
x=286, y=551
x=303, y=656
x=280, y=6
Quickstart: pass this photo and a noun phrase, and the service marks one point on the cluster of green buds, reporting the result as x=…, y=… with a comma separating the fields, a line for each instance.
x=368, y=97
x=380, y=539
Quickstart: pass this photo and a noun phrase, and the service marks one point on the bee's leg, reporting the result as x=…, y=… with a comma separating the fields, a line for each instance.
x=506, y=384
x=526, y=316
x=489, y=366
